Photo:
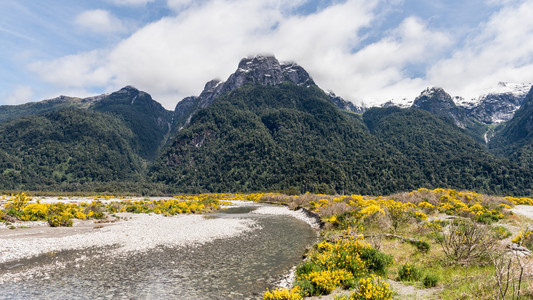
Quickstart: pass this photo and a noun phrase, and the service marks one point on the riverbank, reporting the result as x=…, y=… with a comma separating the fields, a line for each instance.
x=235, y=253
x=133, y=232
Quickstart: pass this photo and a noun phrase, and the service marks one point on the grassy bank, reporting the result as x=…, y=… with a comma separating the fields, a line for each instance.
x=440, y=243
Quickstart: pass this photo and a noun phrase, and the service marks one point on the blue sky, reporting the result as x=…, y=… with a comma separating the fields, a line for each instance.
x=365, y=51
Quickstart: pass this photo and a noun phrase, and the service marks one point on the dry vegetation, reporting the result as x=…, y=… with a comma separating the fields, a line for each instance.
x=447, y=244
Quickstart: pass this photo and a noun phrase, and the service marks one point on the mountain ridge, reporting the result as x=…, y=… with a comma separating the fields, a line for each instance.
x=267, y=127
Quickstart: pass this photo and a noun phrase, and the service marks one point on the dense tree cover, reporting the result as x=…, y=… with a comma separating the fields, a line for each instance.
x=515, y=138
x=256, y=138
x=147, y=119
x=10, y=112
x=265, y=138
x=66, y=147
x=444, y=155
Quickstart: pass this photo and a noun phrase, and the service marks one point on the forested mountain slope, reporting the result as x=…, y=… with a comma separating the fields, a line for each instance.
x=66, y=147
x=275, y=137
x=444, y=154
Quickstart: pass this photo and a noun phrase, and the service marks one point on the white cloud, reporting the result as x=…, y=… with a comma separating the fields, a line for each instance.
x=178, y=4
x=75, y=71
x=99, y=21
x=131, y=2
x=501, y=50
x=173, y=57
x=376, y=72
x=21, y=94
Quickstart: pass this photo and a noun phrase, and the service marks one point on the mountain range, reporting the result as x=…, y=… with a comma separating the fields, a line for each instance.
x=269, y=127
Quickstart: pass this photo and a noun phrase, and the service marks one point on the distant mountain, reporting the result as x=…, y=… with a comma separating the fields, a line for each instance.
x=494, y=106
x=497, y=105
x=147, y=119
x=345, y=105
x=264, y=137
x=263, y=70
x=66, y=148
x=10, y=112
x=437, y=101
x=515, y=138
x=443, y=154
x=268, y=127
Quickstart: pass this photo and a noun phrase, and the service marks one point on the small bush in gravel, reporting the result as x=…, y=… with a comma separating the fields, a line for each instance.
x=501, y=232
x=421, y=246
x=409, y=272
x=57, y=221
x=430, y=281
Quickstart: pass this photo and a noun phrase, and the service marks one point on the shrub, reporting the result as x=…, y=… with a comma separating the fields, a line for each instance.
x=500, y=232
x=342, y=262
x=409, y=272
x=283, y=294
x=370, y=288
x=488, y=218
x=376, y=261
x=19, y=201
x=306, y=267
x=306, y=287
x=36, y=211
x=465, y=242
x=525, y=238
x=430, y=281
x=57, y=221
x=327, y=280
x=421, y=246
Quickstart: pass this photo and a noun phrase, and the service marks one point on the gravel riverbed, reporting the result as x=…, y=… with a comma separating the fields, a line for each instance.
x=140, y=233
x=236, y=253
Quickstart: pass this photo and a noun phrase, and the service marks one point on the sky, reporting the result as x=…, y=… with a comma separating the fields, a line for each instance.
x=367, y=52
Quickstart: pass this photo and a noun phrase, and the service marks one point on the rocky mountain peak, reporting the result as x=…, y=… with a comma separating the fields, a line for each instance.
x=434, y=95
x=345, y=105
x=128, y=89
x=264, y=70
x=436, y=101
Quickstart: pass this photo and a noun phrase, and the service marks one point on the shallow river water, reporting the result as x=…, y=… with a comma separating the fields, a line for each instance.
x=240, y=267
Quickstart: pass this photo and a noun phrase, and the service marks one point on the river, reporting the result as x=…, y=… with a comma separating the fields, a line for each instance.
x=240, y=267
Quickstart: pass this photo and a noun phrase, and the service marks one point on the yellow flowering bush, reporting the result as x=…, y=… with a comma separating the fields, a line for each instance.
x=370, y=288
x=339, y=263
x=283, y=294
x=419, y=216
x=525, y=238
x=326, y=281
x=35, y=211
x=370, y=210
x=520, y=201
x=425, y=205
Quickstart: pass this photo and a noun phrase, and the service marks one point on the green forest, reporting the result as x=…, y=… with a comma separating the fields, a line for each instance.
x=286, y=137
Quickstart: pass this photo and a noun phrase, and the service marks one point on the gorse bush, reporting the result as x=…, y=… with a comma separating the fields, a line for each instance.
x=524, y=238
x=370, y=288
x=283, y=294
x=61, y=214
x=430, y=281
x=500, y=232
x=409, y=272
x=340, y=263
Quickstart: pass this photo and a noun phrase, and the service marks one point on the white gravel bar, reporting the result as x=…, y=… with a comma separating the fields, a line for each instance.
x=141, y=233
x=524, y=210
x=284, y=211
